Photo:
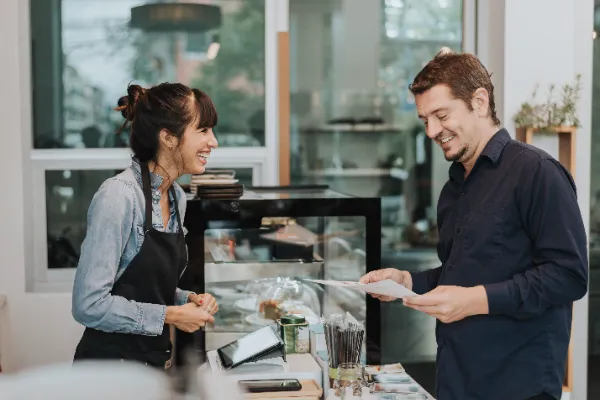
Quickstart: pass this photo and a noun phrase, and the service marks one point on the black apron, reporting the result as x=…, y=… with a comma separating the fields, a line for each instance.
x=151, y=277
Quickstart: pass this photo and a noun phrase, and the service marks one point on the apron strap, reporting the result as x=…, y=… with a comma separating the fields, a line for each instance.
x=146, y=188
x=174, y=194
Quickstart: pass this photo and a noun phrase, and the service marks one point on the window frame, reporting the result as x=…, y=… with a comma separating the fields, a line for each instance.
x=262, y=160
x=61, y=279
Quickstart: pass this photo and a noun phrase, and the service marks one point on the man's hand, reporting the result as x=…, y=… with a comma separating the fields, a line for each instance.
x=402, y=277
x=206, y=301
x=451, y=303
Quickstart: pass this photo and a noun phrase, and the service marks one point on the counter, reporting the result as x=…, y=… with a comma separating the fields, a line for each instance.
x=307, y=370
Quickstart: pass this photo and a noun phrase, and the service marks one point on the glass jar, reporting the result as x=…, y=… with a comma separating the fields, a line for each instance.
x=294, y=332
x=349, y=375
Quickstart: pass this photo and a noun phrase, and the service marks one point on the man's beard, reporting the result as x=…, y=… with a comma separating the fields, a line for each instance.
x=459, y=155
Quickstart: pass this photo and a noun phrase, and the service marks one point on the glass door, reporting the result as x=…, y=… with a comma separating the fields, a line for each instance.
x=353, y=125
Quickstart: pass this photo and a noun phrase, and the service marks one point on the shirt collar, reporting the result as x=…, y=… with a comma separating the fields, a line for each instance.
x=492, y=151
x=155, y=180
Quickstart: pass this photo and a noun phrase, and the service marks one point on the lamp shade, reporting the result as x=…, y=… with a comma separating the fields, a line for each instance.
x=175, y=17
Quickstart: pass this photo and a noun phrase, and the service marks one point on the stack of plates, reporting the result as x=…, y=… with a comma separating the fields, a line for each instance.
x=213, y=177
x=220, y=191
x=216, y=184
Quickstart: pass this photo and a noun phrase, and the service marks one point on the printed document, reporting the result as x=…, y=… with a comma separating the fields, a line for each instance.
x=387, y=287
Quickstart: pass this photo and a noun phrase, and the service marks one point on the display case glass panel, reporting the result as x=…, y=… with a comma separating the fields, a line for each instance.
x=257, y=254
x=258, y=274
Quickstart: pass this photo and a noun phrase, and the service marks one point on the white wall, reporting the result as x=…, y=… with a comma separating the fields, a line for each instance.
x=545, y=41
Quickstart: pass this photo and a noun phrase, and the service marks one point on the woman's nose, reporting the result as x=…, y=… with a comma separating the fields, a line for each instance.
x=213, y=142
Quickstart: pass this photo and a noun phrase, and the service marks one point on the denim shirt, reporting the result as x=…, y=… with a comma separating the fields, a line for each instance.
x=115, y=233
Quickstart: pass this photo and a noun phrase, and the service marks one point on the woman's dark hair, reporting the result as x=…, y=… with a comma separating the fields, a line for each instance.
x=169, y=106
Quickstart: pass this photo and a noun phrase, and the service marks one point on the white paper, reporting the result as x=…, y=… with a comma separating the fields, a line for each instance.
x=387, y=287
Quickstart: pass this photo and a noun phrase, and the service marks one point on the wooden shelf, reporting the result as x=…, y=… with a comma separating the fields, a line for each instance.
x=566, y=143
x=566, y=156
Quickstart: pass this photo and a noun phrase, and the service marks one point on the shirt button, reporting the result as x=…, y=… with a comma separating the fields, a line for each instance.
x=457, y=230
x=450, y=267
x=462, y=193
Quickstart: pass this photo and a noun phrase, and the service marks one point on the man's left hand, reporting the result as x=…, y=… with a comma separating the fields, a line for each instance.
x=451, y=303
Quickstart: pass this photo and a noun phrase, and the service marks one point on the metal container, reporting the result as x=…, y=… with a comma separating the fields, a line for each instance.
x=294, y=331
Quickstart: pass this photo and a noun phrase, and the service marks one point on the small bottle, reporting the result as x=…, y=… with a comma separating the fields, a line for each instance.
x=331, y=395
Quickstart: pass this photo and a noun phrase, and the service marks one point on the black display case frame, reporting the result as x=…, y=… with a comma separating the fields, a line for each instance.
x=249, y=212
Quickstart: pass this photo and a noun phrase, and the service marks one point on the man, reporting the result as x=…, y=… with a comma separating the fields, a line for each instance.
x=511, y=242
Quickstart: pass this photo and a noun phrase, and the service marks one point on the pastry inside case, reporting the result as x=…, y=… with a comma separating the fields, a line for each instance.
x=257, y=274
x=289, y=296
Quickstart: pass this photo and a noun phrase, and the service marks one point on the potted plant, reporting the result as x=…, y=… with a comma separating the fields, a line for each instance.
x=554, y=114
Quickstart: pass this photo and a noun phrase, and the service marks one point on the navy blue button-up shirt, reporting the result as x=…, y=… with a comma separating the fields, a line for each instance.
x=514, y=226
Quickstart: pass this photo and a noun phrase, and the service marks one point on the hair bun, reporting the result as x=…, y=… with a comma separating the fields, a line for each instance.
x=127, y=104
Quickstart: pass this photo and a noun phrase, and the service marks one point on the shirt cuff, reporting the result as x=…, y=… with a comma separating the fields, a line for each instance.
x=152, y=319
x=420, y=283
x=500, y=300
x=181, y=296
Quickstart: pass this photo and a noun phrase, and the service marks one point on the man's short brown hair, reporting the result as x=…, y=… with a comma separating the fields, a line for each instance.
x=463, y=73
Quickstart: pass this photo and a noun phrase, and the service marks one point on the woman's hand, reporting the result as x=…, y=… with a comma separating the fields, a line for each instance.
x=188, y=318
x=206, y=301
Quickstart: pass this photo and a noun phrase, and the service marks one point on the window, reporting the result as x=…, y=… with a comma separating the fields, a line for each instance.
x=60, y=215
x=84, y=53
x=68, y=195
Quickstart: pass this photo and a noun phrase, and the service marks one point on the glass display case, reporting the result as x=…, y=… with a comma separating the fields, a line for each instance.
x=255, y=253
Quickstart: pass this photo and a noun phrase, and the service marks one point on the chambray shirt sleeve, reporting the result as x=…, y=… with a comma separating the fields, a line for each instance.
x=181, y=296
x=551, y=217
x=109, y=226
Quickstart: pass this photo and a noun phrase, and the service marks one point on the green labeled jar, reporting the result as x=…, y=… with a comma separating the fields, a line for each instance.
x=294, y=332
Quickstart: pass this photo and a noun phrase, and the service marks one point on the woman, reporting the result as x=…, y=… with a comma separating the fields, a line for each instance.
x=134, y=252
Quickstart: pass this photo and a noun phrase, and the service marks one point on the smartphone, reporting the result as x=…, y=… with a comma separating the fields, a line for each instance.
x=270, y=385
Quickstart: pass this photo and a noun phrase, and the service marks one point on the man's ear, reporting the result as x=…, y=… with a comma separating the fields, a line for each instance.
x=481, y=102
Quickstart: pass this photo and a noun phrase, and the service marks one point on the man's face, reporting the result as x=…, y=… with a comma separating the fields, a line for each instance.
x=448, y=122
